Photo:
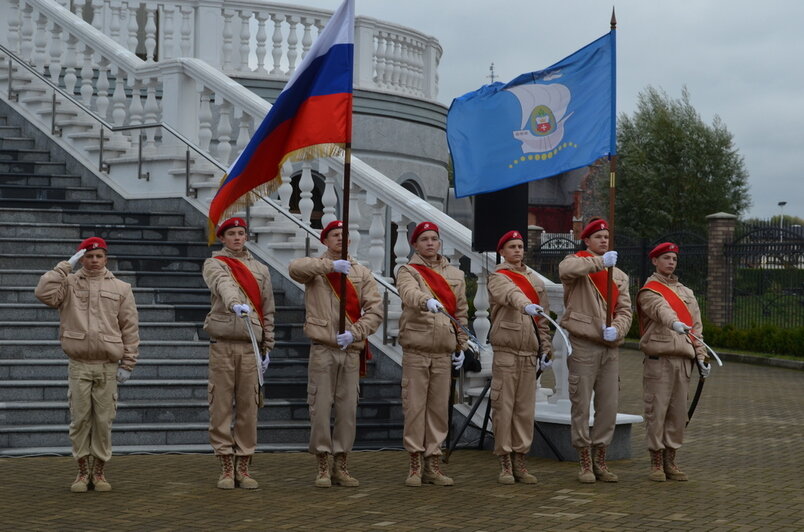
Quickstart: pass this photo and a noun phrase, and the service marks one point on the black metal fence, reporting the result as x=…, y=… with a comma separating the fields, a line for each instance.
x=766, y=271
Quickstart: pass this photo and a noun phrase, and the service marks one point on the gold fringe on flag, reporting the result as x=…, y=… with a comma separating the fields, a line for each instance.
x=307, y=153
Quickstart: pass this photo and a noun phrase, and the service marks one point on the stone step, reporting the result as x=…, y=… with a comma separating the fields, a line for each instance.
x=81, y=205
x=55, y=180
x=23, y=259
x=16, y=142
x=33, y=167
x=37, y=213
x=147, y=313
x=78, y=232
x=158, y=349
x=142, y=296
x=157, y=434
x=21, y=149
x=142, y=389
x=152, y=248
x=142, y=279
x=35, y=192
x=22, y=413
x=56, y=369
x=9, y=131
x=49, y=330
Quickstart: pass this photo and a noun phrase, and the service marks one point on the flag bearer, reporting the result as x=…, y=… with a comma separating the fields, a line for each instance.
x=239, y=285
x=667, y=311
x=521, y=341
x=336, y=360
x=99, y=332
x=594, y=364
x=429, y=286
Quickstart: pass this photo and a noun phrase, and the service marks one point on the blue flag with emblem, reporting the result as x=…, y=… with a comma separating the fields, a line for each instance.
x=538, y=125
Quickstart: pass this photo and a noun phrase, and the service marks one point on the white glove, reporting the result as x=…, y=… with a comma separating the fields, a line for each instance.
x=265, y=361
x=545, y=362
x=533, y=309
x=433, y=305
x=341, y=266
x=75, y=258
x=680, y=327
x=457, y=360
x=344, y=339
x=609, y=334
x=610, y=259
x=241, y=308
x=704, y=368
x=473, y=346
x=123, y=375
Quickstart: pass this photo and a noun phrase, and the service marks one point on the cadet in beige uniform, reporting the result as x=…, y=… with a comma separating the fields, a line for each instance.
x=333, y=371
x=430, y=346
x=594, y=364
x=99, y=332
x=667, y=311
x=232, y=365
x=517, y=353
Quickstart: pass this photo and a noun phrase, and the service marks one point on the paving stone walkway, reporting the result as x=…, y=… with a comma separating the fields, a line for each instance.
x=744, y=454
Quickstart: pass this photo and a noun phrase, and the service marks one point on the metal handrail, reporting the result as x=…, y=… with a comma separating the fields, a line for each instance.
x=189, y=145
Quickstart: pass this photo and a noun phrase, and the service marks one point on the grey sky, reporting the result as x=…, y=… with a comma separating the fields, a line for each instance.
x=742, y=60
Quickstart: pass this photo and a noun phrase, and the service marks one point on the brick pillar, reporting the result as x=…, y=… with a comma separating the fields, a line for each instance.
x=719, y=275
x=534, y=241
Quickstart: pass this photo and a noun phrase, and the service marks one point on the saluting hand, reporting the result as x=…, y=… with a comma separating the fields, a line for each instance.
x=75, y=258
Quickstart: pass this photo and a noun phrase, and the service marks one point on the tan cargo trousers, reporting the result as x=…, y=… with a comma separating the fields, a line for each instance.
x=333, y=378
x=665, y=384
x=425, y=401
x=594, y=368
x=513, y=399
x=233, y=378
x=92, y=396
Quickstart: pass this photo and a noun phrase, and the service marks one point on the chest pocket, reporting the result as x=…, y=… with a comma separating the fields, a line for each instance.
x=110, y=301
x=81, y=298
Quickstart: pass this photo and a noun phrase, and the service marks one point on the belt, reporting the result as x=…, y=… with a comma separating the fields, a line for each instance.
x=653, y=358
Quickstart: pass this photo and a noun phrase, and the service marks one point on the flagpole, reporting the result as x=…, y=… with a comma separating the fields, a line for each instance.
x=612, y=194
x=347, y=178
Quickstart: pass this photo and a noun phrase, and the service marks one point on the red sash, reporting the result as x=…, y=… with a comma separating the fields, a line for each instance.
x=675, y=302
x=353, y=311
x=600, y=280
x=439, y=287
x=523, y=283
x=245, y=279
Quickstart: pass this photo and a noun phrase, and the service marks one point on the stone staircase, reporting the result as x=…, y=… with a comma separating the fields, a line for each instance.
x=44, y=213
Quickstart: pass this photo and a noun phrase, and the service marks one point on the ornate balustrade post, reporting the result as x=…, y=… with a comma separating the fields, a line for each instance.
x=209, y=25
x=376, y=233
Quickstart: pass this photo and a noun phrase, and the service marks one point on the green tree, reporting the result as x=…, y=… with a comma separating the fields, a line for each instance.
x=673, y=169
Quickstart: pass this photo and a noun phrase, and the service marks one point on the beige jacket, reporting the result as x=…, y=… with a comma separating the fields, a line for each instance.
x=658, y=338
x=585, y=311
x=322, y=304
x=98, y=315
x=221, y=323
x=511, y=329
x=421, y=331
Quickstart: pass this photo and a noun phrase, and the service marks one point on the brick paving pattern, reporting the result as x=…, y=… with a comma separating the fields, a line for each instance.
x=743, y=454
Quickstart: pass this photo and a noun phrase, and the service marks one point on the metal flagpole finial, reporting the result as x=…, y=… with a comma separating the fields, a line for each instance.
x=613, y=19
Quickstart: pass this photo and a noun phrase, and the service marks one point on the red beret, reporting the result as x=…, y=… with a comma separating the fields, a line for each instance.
x=510, y=235
x=661, y=249
x=421, y=228
x=231, y=222
x=334, y=224
x=594, y=225
x=91, y=243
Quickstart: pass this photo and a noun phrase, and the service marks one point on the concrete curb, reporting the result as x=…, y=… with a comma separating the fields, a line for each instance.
x=746, y=359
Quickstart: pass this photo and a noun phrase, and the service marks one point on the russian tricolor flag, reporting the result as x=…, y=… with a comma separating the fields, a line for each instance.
x=312, y=117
